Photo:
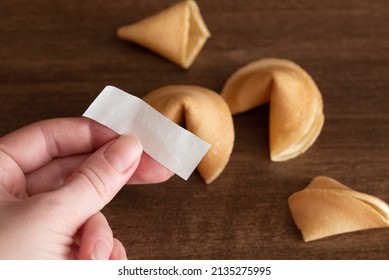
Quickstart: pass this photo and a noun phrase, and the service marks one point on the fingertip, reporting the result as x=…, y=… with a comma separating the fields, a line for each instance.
x=149, y=171
x=96, y=240
x=101, y=251
x=123, y=153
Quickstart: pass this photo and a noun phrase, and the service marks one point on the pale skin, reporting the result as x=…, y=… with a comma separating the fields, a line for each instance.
x=55, y=177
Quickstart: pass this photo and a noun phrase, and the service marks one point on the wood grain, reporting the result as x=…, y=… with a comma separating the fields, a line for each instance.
x=56, y=56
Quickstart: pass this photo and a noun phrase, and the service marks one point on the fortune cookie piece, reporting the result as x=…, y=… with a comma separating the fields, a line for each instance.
x=326, y=207
x=177, y=33
x=204, y=113
x=296, y=106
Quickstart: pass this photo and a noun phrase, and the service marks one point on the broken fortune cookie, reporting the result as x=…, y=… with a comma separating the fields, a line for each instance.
x=296, y=105
x=177, y=33
x=326, y=207
x=204, y=113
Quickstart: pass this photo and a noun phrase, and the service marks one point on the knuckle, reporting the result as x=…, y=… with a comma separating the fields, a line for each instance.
x=96, y=180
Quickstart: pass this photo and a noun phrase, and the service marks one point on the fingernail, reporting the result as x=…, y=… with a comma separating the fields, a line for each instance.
x=101, y=251
x=123, y=153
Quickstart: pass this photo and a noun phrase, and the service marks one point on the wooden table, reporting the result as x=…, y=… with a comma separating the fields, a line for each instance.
x=56, y=56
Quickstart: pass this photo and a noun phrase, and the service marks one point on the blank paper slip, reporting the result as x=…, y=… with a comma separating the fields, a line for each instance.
x=168, y=143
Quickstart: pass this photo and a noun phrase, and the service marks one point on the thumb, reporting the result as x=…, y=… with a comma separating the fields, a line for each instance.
x=99, y=178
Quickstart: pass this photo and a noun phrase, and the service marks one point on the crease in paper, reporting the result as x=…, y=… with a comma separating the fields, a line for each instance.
x=168, y=143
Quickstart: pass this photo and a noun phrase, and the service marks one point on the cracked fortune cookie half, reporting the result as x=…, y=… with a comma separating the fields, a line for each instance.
x=204, y=113
x=177, y=33
x=326, y=207
x=296, y=106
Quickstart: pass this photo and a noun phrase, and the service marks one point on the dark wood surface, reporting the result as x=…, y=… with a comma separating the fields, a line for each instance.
x=56, y=56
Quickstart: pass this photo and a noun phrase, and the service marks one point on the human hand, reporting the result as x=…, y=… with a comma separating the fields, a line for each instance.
x=55, y=177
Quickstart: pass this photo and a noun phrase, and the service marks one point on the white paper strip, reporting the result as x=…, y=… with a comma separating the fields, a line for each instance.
x=168, y=143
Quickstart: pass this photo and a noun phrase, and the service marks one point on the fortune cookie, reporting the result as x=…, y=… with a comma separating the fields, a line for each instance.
x=204, y=113
x=177, y=33
x=296, y=106
x=326, y=207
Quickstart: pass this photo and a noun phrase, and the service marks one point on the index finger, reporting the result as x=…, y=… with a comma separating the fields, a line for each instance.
x=35, y=145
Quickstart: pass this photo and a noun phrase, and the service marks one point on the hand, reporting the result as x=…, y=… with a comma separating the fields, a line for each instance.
x=55, y=177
